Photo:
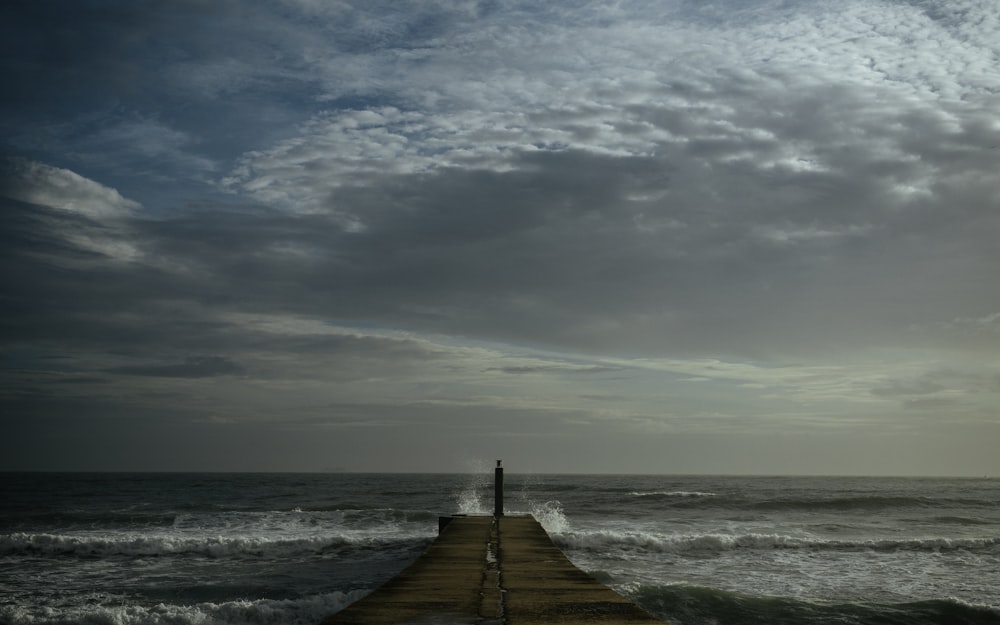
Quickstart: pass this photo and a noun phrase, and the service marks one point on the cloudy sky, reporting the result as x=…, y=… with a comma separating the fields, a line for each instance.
x=664, y=236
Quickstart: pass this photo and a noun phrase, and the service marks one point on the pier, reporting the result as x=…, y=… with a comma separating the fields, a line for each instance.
x=492, y=571
x=499, y=570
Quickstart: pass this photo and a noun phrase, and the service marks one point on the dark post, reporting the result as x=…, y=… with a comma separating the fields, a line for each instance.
x=498, y=490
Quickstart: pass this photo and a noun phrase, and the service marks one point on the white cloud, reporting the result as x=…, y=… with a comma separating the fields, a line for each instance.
x=724, y=90
x=985, y=325
x=38, y=183
x=65, y=190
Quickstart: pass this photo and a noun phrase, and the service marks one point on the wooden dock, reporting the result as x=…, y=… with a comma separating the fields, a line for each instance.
x=501, y=570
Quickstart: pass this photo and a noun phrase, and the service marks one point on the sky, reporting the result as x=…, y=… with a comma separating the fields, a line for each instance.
x=670, y=236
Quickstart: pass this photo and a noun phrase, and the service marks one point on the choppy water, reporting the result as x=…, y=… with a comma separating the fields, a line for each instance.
x=280, y=548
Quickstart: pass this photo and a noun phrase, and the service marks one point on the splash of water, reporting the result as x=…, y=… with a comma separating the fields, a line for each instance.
x=476, y=497
x=470, y=499
x=550, y=515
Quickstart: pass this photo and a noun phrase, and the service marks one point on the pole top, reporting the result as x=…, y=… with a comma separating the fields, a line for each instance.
x=499, y=464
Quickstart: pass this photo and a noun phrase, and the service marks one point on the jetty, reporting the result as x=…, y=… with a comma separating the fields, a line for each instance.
x=499, y=570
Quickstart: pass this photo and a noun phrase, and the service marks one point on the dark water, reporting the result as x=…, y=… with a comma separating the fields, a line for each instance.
x=281, y=548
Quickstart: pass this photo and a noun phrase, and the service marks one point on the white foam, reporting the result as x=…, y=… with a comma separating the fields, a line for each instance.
x=606, y=540
x=988, y=607
x=173, y=544
x=304, y=611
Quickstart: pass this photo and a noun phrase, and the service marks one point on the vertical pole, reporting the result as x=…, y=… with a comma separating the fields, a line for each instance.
x=498, y=490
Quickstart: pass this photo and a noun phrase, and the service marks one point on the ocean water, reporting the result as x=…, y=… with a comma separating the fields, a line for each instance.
x=232, y=549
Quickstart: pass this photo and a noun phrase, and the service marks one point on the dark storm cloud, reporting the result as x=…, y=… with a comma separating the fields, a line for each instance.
x=543, y=253
x=371, y=214
x=192, y=367
x=557, y=232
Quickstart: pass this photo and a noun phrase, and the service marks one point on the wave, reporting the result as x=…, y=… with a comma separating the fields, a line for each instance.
x=700, y=544
x=674, y=493
x=860, y=503
x=246, y=521
x=685, y=604
x=304, y=611
x=551, y=516
x=357, y=518
x=960, y=520
x=84, y=519
x=137, y=545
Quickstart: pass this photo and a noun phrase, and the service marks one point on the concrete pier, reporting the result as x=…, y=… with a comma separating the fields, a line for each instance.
x=492, y=571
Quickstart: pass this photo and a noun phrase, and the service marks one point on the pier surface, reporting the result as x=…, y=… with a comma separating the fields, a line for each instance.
x=482, y=571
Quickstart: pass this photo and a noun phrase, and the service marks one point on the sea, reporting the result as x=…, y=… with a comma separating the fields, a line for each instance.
x=251, y=549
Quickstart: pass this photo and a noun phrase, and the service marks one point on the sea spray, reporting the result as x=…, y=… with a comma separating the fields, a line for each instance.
x=474, y=495
x=530, y=498
x=550, y=514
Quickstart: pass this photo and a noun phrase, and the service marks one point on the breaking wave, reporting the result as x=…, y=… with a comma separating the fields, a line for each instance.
x=683, y=604
x=303, y=611
x=693, y=544
x=138, y=545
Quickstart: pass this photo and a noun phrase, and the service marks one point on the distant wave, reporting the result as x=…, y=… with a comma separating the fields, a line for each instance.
x=697, y=499
x=861, y=502
x=304, y=611
x=250, y=521
x=298, y=517
x=140, y=545
x=694, y=544
x=960, y=520
x=673, y=493
x=89, y=519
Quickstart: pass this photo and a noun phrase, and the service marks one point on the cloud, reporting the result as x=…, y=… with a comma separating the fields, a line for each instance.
x=981, y=325
x=60, y=215
x=528, y=369
x=147, y=147
x=55, y=187
x=357, y=213
x=192, y=367
x=786, y=170
x=936, y=404
x=926, y=386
